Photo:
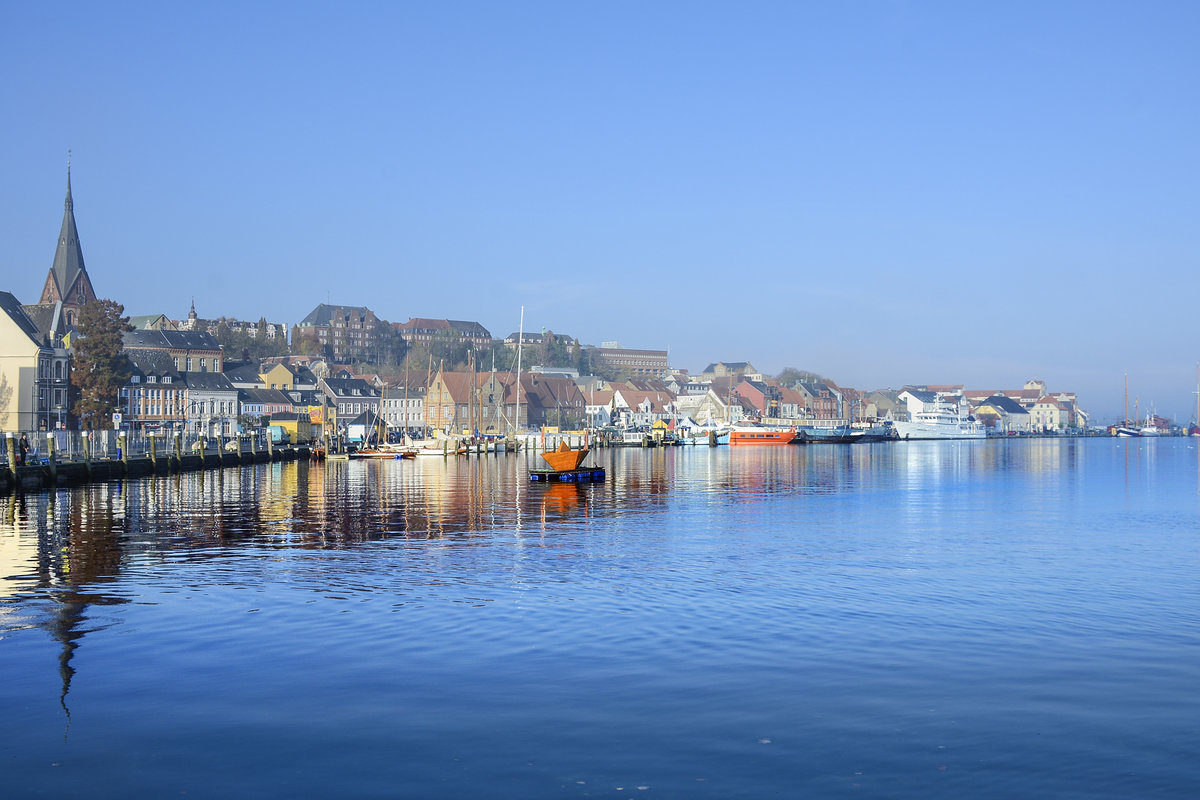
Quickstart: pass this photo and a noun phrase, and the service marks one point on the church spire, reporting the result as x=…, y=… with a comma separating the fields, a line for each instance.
x=68, y=280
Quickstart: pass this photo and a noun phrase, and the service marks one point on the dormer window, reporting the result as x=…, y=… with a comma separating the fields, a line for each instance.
x=135, y=378
x=151, y=379
x=166, y=379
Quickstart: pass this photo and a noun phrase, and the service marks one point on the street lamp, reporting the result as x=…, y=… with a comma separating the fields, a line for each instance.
x=60, y=421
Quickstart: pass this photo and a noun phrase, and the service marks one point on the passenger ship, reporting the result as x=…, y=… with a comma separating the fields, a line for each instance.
x=752, y=433
x=941, y=421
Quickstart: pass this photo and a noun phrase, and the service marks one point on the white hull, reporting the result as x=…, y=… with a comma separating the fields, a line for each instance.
x=939, y=430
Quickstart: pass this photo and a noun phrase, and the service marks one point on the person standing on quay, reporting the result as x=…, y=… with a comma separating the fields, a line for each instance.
x=24, y=448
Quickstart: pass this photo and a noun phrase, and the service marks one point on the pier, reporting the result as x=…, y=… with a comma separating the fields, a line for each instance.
x=112, y=455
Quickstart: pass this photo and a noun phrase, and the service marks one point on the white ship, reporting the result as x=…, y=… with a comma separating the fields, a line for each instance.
x=939, y=421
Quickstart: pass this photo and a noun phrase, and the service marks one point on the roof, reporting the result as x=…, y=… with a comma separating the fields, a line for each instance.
x=323, y=314
x=208, y=382
x=922, y=395
x=1005, y=404
x=466, y=327
x=264, y=396
x=12, y=307
x=242, y=371
x=170, y=340
x=47, y=317
x=152, y=362
x=350, y=387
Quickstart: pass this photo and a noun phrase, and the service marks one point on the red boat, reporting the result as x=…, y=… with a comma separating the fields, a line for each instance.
x=759, y=434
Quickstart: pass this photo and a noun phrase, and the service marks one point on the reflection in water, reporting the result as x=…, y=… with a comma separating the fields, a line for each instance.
x=62, y=552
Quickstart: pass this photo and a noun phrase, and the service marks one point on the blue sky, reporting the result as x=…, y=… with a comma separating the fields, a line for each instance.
x=883, y=192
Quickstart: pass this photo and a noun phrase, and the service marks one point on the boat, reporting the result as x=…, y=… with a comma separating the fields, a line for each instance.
x=840, y=434
x=753, y=433
x=941, y=421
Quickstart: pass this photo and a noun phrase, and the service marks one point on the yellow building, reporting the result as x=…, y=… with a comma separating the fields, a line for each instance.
x=26, y=361
x=278, y=377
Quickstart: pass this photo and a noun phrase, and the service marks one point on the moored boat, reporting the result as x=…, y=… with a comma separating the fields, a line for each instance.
x=941, y=421
x=753, y=433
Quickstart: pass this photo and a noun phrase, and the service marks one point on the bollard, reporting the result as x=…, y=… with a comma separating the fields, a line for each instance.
x=50, y=443
x=87, y=453
x=153, y=450
x=178, y=450
x=253, y=447
x=12, y=453
x=123, y=450
x=270, y=449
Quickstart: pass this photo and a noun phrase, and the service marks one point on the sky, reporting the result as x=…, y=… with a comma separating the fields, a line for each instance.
x=885, y=193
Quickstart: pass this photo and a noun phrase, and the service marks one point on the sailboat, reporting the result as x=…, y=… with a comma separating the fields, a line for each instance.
x=1194, y=428
x=1126, y=430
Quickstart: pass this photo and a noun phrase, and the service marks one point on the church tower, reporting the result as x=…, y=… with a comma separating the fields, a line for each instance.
x=68, y=280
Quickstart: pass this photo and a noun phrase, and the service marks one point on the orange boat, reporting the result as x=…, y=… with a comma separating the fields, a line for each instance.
x=564, y=458
x=757, y=434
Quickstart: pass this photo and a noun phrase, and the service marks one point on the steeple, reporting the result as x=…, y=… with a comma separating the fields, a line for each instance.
x=68, y=280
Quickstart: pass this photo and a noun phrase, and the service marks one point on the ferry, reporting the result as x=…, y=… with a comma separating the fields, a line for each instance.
x=753, y=433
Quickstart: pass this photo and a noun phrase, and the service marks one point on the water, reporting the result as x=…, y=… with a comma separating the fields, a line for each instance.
x=945, y=619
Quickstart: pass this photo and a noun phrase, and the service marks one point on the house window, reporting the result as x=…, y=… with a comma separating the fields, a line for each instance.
x=176, y=360
x=58, y=370
x=135, y=378
x=189, y=363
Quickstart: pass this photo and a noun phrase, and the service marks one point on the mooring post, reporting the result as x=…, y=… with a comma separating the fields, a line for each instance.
x=178, y=450
x=12, y=453
x=270, y=449
x=153, y=450
x=87, y=452
x=253, y=447
x=123, y=451
x=51, y=460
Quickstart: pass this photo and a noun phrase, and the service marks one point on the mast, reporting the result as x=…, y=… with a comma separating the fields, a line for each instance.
x=1127, y=398
x=520, y=343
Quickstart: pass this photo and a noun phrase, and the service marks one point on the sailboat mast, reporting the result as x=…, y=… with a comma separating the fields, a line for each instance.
x=1126, y=398
x=520, y=343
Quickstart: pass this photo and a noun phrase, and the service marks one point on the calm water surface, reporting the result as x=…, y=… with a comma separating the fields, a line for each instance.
x=940, y=619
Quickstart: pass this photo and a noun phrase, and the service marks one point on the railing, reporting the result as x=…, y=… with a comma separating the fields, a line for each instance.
x=106, y=444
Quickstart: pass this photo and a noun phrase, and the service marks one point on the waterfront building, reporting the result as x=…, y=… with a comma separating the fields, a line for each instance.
x=708, y=409
x=1050, y=414
x=634, y=407
x=1003, y=414
x=211, y=404
x=154, y=397
x=821, y=401
x=341, y=333
x=883, y=404
x=190, y=351
x=349, y=397
x=612, y=358
x=422, y=330
x=731, y=369
x=68, y=281
x=28, y=363
x=254, y=404
x=54, y=331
